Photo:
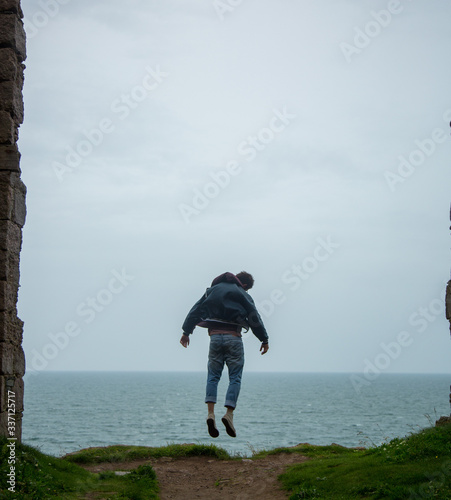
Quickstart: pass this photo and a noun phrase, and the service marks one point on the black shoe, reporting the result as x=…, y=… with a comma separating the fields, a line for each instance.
x=212, y=430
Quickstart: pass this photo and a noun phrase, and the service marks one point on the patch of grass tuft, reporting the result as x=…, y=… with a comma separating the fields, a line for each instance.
x=418, y=466
x=120, y=453
x=39, y=476
x=309, y=450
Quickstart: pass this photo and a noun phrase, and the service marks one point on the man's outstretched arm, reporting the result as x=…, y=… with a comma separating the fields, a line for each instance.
x=255, y=321
x=194, y=316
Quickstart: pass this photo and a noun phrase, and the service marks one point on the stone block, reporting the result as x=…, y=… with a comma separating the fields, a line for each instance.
x=20, y=208
x=4, y=265
x=3, y=299
x=11, y=100
x=6, y=196
x=6, y=201
x=16, y=387
x=12, y=198
x=8, y=264
x=8, y=296
x=8, y=131
x=10, y=158
x=12, y=359
x=12, y=34
x=10, y=6
x=4, y=388
x=4, y=393
x=9, y=65
x=13, y=270
x=9, y=267
x=7, y=353
x=19, y=364
x=11, y=328
x=10, y=236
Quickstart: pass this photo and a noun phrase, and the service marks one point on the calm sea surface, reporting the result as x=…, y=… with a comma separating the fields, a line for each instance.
x=67, y=411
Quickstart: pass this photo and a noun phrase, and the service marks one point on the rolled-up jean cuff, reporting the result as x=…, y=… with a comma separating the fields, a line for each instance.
x=210, y=400
x=232, y=404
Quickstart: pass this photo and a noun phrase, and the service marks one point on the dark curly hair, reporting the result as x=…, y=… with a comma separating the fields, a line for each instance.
x=246, y=279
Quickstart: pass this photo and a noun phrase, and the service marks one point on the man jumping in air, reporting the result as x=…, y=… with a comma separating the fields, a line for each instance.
x=225, y=309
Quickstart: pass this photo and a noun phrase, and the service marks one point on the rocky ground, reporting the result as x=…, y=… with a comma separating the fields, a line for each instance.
x=208, y=478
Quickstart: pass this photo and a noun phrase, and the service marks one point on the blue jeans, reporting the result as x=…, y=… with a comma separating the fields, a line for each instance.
x=228, y=349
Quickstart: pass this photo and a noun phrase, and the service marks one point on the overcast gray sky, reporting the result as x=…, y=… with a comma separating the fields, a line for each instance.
x=306, y=142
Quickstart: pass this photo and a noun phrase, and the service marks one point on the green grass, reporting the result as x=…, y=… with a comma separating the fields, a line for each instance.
x=415, y=467
x=40, y=476
x=120, y=453
x=309, y=450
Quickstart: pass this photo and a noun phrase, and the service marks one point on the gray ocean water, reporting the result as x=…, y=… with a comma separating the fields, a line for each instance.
x=68, y=411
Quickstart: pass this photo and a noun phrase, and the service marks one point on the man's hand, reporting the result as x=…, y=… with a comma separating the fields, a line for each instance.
x=264, y=348
x=185, y=340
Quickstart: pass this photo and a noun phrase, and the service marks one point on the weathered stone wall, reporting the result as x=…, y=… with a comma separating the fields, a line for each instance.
x=12, y=211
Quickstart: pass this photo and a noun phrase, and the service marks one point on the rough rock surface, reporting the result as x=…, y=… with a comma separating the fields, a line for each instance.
x=12, y=216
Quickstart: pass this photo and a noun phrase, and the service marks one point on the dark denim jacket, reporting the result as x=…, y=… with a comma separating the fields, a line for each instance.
x=229, y=303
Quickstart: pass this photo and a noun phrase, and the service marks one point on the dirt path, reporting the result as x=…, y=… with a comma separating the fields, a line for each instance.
x=207, y=478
